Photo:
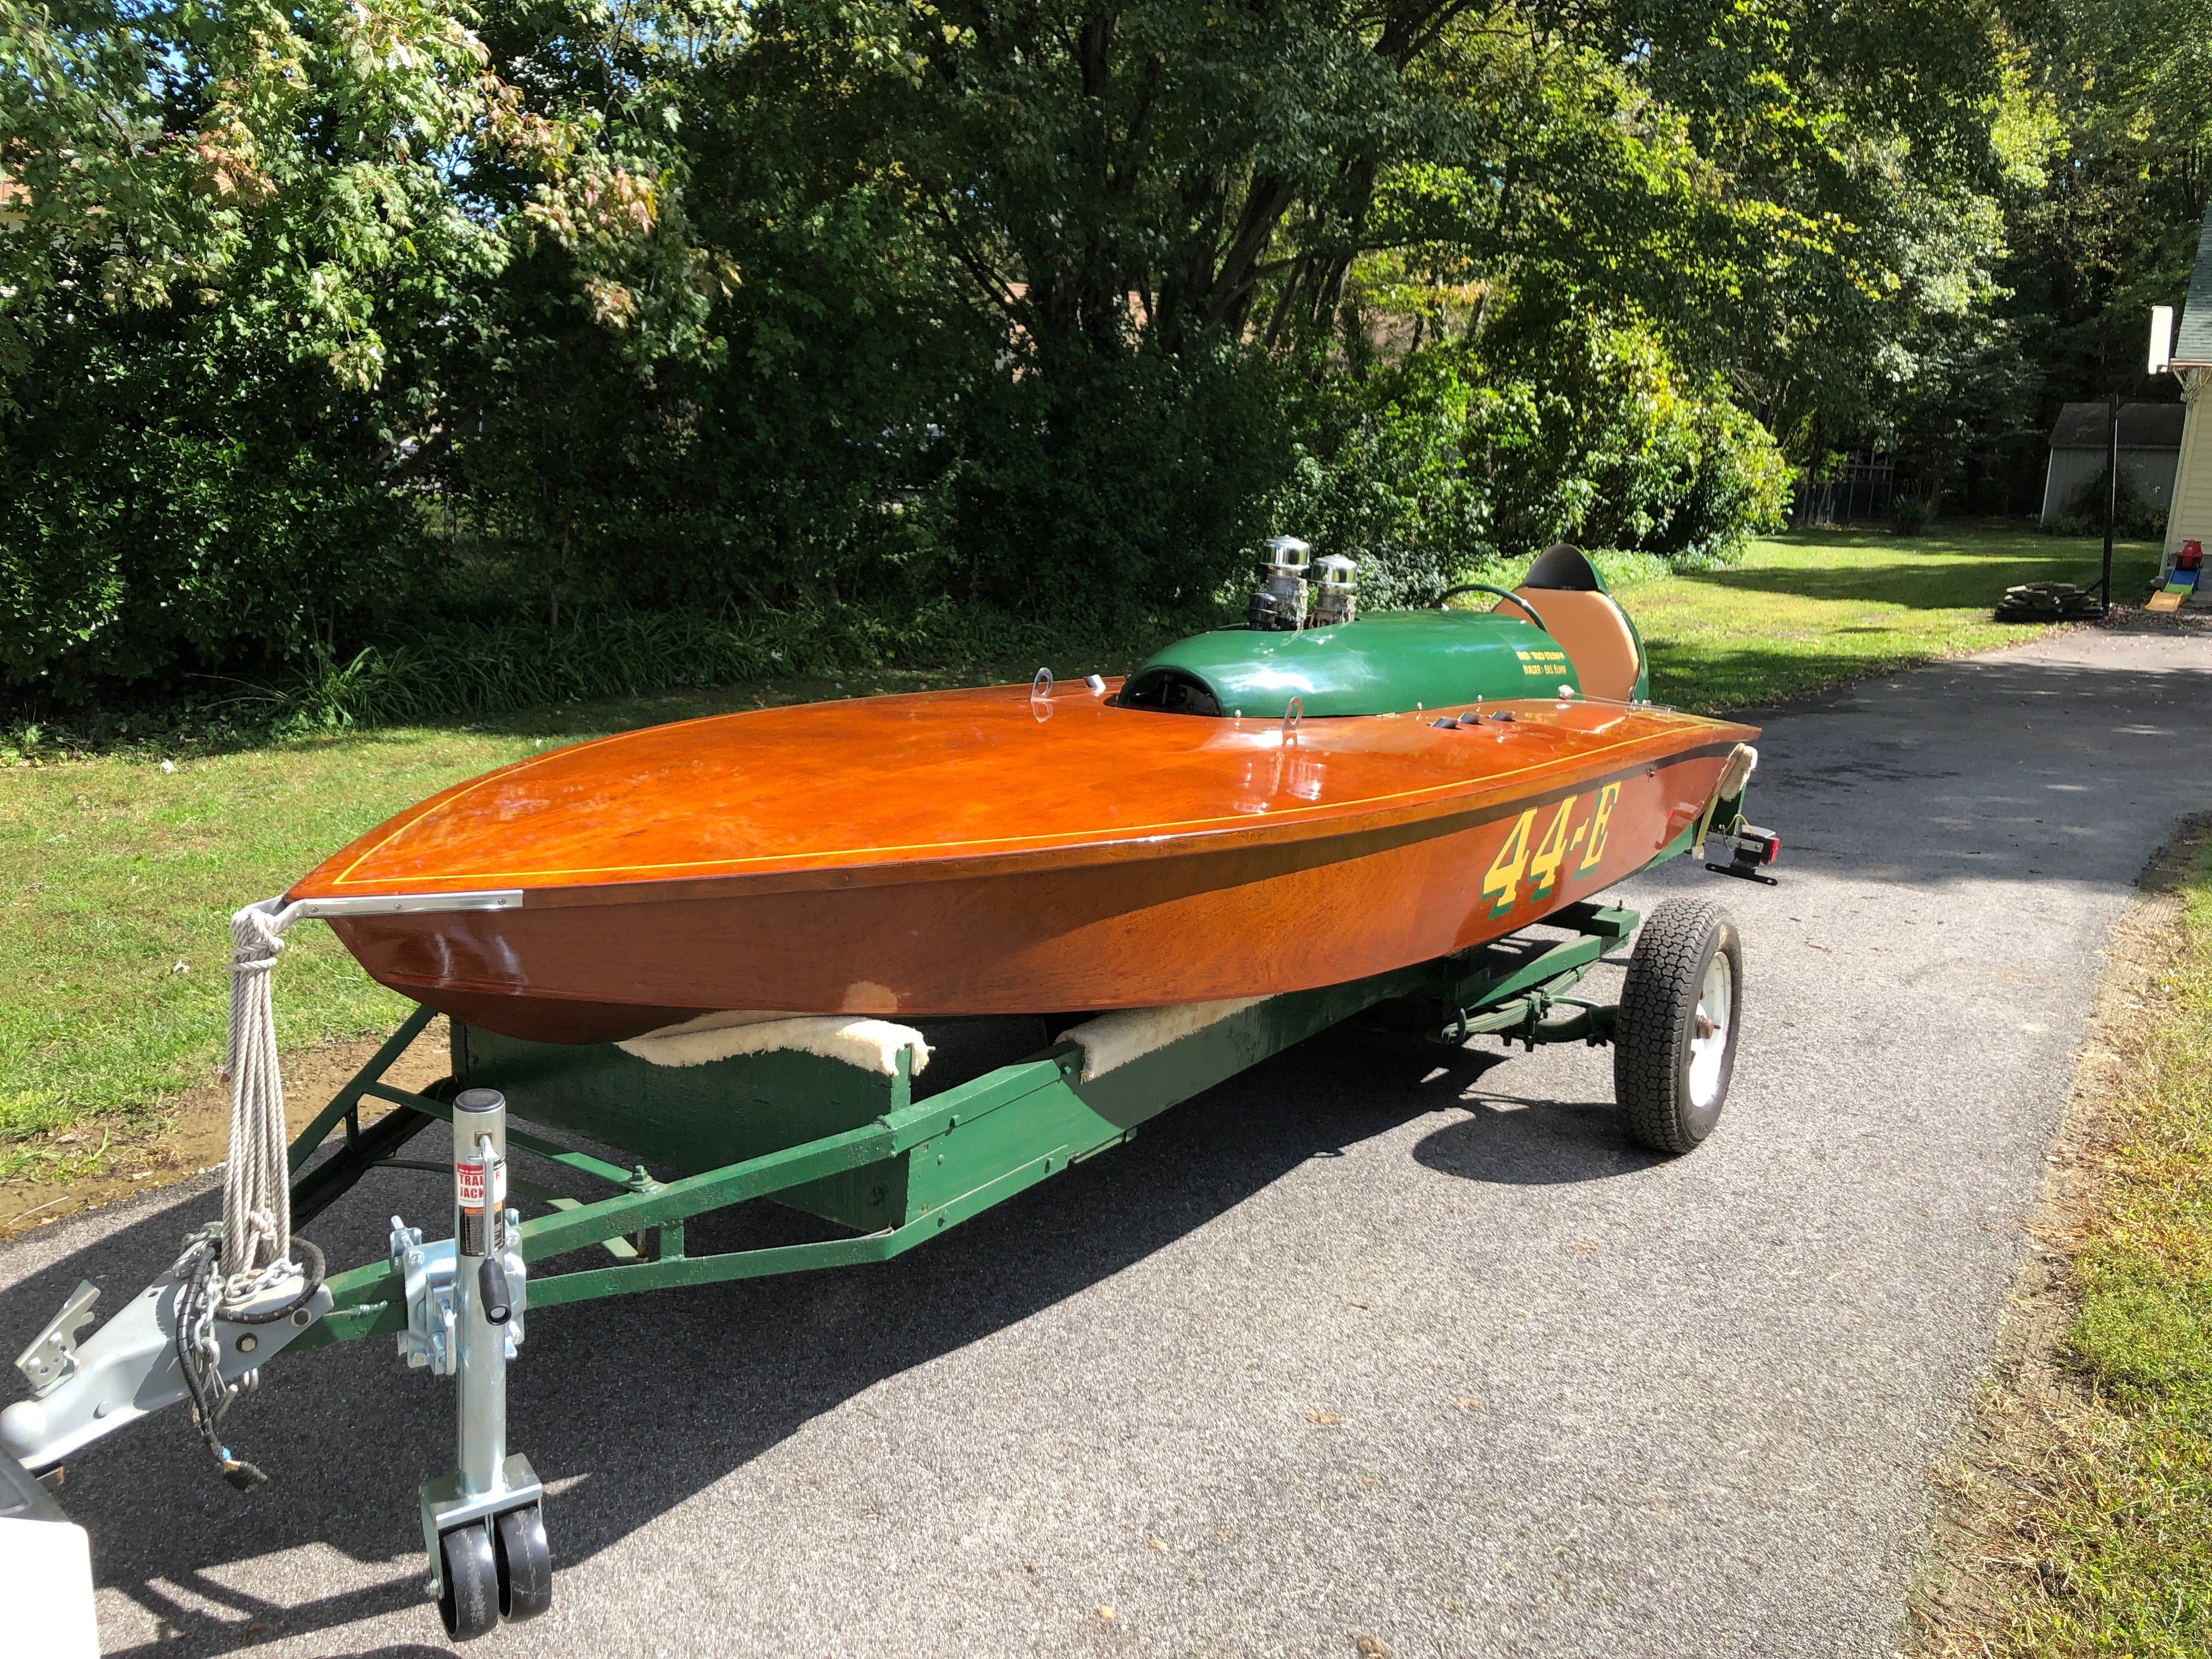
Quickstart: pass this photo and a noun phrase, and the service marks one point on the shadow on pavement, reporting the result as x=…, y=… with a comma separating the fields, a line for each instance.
x=1535, y=1143
x=2077, y=747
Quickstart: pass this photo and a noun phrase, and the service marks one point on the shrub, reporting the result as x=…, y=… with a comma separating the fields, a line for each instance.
x=1910, y=515
x=474, y=669
x=1117, y=485
x=1382, y=474
x=1667, y=463
x=234, y=236
x=2136, y=516
x=1740, y=487
x=1440, y=463
x=161, y=516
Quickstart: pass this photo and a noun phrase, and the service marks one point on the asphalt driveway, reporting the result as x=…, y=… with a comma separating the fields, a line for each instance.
x=1378, y=1340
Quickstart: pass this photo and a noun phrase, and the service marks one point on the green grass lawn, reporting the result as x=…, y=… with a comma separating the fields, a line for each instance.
x=117, y=876
x=2123, y=1536
x=119, y=879
x=1806, y=610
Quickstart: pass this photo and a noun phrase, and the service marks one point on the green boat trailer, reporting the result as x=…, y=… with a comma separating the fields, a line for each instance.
x=853, y=1145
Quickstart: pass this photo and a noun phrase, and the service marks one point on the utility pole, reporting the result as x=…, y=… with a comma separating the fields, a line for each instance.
x=2161, y=358
x=2112, y=502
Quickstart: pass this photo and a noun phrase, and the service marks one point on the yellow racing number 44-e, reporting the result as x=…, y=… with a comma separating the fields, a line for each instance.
x=1538, y=860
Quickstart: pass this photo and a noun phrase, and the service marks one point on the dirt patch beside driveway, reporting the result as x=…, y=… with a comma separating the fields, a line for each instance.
x=110, y=1159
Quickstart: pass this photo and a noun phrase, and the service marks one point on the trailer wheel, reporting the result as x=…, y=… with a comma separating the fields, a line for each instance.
x=468, y=1595
x=525, y=1565
x=1680, y=1009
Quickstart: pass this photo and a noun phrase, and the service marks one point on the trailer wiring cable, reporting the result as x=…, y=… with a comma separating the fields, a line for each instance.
x=311, y=1273
x=200, y=1356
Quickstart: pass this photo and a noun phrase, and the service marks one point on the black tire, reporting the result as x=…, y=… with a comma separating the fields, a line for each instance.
x=1652, y=1042
x=525, y=1566
x=468, y=1599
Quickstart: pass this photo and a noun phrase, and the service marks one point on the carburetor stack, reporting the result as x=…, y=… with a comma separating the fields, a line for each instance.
x=1280, y=605
x=1332, y=598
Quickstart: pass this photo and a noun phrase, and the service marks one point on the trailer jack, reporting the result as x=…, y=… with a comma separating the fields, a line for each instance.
x=484, y=1523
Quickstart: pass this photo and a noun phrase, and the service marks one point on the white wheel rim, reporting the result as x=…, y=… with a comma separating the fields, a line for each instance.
x=1708, y=1030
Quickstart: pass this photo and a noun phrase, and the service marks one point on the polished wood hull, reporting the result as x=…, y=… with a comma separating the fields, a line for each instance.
x=981, y=851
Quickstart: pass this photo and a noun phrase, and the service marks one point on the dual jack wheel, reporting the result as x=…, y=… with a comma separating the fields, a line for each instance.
x=494, y=1568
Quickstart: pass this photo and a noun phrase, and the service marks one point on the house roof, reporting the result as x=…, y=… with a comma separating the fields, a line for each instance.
x=2143, y=426
x=2192, y=341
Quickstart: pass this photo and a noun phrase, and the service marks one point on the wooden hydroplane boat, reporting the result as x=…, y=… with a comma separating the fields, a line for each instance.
x=1251, y=812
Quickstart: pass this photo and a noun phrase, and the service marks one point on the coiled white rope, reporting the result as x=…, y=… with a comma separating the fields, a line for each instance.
x=222, y=1270
x=257, y=1181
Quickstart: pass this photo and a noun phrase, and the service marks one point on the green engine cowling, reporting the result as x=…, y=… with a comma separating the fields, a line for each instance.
x=1391, y=662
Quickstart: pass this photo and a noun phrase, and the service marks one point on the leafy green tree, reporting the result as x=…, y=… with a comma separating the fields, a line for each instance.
x=233, y=255
x=2107, y=229
x=318, y=319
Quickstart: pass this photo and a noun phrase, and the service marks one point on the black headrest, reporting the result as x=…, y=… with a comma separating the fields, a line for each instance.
x=1562, y=568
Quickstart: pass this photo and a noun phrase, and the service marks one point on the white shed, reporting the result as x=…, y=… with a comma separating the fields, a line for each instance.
x=2150, y=448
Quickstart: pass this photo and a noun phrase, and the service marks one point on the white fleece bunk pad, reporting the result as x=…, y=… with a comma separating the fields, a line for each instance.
x=870, y=1044
x=1126, y=1034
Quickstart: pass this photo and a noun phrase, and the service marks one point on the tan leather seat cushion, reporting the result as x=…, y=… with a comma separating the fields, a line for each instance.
x=1595, y=637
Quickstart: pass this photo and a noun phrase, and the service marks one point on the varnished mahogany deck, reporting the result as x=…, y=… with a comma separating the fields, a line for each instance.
x=974, y=852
